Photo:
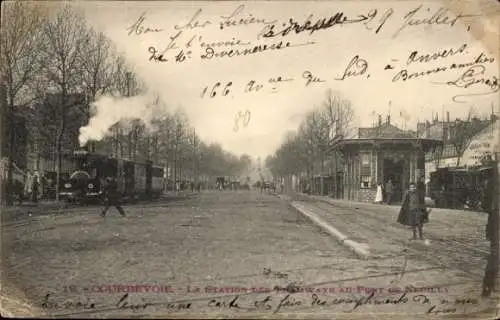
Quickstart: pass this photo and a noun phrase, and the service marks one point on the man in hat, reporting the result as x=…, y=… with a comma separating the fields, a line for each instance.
x=389, y=189
x=111, y=196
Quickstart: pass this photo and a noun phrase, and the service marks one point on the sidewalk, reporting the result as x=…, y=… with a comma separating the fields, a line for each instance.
x=455, y=234
x=454, y=259
x=471, y=222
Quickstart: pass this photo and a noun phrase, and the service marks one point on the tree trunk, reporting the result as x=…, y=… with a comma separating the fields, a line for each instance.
x=120, y=143
x=59, y=141
x=12, y=140
x=148, y=148
x=174, y=158
x=130, y=145
x=59, y=156
x=58, y=163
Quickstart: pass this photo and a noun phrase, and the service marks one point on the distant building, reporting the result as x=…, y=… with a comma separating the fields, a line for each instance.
x=446, y=130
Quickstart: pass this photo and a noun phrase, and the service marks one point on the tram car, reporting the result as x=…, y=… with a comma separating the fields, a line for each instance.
x=458, y=188
x=136, y=180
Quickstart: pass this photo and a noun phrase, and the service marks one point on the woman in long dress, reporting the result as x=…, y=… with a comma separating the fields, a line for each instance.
x=413, y=212
x=378, y=196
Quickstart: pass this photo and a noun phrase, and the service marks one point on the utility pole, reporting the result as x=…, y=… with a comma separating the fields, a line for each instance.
x=495, y=241
x=491, y=281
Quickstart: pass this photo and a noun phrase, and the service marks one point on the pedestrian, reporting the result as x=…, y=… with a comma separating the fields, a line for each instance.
x=421, y=189
x=43, y=186
x=28, y=184
x=378, y=195
x=20, y=191
x=389, y=191
x=487, y=206
x=35, y=186
x=413, y=212
x=111, y=196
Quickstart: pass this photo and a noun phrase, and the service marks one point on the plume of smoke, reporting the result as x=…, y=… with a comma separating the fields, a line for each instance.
x=109, y=110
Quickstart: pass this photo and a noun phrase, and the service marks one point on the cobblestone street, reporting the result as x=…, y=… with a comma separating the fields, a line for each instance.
x=237, y=254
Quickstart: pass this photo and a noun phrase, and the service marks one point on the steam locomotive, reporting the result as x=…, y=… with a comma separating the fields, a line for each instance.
x=136, y=180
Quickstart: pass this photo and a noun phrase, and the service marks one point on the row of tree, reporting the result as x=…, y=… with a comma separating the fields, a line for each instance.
x=304, y=151
x=178, y=147
x=53, y=67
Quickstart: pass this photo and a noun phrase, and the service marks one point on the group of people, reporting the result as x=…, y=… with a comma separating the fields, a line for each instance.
x=385, y=193
x=181, y=186
x=29, y=186
x=34, y=186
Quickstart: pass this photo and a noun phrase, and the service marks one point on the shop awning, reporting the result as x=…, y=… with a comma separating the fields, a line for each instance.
x=482, y=145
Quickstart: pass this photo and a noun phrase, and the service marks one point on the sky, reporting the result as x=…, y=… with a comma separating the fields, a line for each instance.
x=274, y=112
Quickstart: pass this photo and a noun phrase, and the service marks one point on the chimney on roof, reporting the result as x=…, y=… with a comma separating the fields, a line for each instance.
x=388, y=120
x=447, y=116
x=379, y=120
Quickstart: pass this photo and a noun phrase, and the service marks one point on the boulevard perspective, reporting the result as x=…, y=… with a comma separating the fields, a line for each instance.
x=275, y=160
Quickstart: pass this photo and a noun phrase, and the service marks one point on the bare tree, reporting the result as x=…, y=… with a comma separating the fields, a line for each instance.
x=306, y=149
x=20, y=42
x=108, y=73
x=340, y=117
x=164, y=133
x=179, y=132
x=65, y=34
x=463, y=131
x=339, y=114
x=96, y=67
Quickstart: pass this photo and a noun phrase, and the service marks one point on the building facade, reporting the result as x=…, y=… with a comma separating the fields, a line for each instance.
x=380, y=154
